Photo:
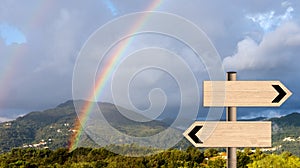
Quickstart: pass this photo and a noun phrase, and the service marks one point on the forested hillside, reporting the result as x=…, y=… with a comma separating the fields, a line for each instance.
x=53, y=129
x=100, y=157
x=286, y=133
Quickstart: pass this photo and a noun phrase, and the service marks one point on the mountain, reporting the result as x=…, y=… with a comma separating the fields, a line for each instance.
x=292, y=119
x=31, y=128
x=53, y=128
x=286, y=133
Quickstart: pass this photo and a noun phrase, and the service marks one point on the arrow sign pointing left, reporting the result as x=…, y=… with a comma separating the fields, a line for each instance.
x=193, y=133
x=229, y=134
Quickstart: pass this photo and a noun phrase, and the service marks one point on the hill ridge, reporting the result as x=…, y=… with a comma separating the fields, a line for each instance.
x=57, y=124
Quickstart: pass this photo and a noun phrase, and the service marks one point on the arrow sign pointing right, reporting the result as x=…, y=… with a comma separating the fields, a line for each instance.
x=244, y=93
x=281, y=94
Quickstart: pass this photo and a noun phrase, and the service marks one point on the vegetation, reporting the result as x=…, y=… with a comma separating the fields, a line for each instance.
x=54, y=127
x=284, y=160
x=100, y=157
x=37, y=126
x=286, y=127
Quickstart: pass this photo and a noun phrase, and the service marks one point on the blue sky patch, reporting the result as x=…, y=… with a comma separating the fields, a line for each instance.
x=11, y=34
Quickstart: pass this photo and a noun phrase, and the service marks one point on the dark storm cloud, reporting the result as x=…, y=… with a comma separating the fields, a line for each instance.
x=40, y=75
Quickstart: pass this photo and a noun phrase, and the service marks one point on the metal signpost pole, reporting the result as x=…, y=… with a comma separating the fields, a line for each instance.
x=231, y=116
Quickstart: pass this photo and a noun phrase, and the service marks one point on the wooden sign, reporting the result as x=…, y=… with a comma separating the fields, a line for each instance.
x=244, y=93
x=229, y=134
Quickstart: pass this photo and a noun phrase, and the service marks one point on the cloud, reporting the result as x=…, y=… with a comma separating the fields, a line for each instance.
x=286, y=4
x=38, y=73
x=269, y=21
x=40, y=70
x=3, y=119
x=264, y=113
x=276, y=50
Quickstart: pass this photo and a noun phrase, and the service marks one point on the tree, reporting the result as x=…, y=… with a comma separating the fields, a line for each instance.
x=242, y=159
x=210, y=152
x=282, y=161
x=217, y=163
x=247, y=151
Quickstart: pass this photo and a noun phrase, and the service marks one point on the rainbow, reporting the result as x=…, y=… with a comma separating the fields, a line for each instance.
x=39, y=13
x=15, y=56
x=7, y=74
x=103, y=77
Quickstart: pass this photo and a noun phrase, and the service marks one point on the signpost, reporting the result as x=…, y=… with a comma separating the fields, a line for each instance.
x=232, y=133
x=231, y=116
x=244, y=93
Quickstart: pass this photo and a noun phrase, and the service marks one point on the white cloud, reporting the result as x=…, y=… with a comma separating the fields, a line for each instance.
x=264, y=113
x=269, y=21
x=286, y=4
x=276, y=50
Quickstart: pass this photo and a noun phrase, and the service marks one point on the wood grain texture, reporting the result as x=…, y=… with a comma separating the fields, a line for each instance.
x=232, y=134
x=242, y=93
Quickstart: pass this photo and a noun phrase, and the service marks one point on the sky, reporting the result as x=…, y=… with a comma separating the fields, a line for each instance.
x=40, y=42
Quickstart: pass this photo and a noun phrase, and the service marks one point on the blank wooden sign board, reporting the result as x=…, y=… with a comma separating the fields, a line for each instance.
x=232, y=134
x=229, y=134
x=244, y=93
